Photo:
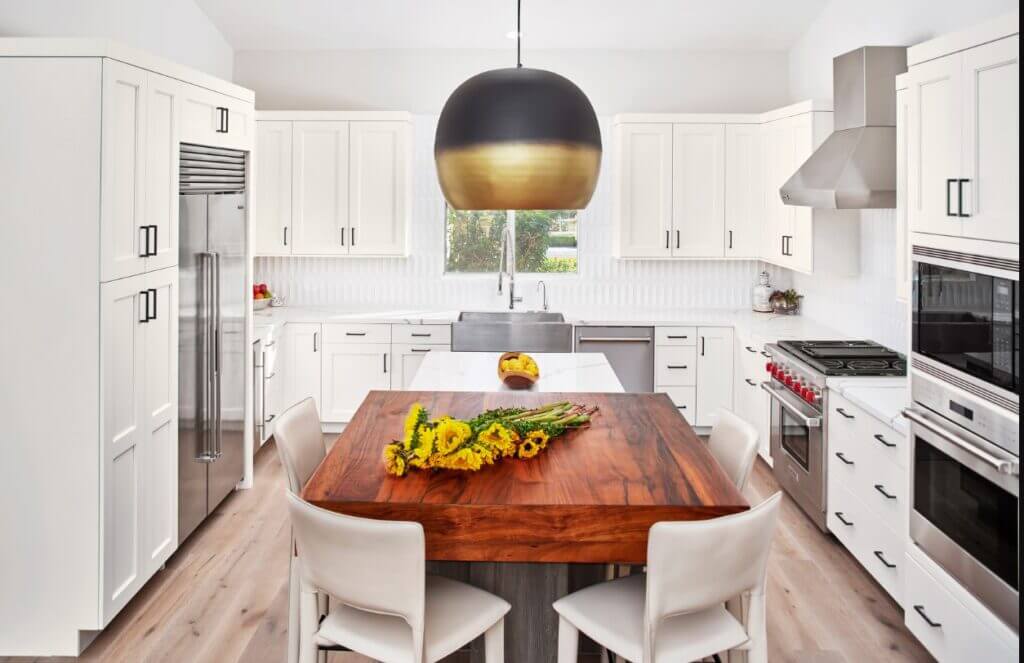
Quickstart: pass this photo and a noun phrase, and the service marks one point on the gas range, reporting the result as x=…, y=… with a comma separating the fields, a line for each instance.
x=800, y=371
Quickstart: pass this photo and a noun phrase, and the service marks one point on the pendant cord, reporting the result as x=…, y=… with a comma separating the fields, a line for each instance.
x=519, y=34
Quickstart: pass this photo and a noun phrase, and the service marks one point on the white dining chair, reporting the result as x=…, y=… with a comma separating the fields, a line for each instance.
x=300, y=445
x=384, y=606
x=677, y=610
x=733, y=443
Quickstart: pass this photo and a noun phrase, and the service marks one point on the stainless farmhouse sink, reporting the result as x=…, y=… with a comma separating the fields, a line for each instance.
x=505, y=331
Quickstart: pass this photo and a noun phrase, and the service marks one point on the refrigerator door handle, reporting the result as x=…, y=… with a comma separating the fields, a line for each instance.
x=205, y=453
x=217, y=418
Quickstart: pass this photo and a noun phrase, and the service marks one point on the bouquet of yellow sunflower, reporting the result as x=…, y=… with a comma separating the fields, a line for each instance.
x=454, y=444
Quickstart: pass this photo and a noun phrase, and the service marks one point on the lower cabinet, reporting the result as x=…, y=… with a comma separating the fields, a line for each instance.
x=304, y=347
x=694, y=366
x=750, y=402
x=714, y=373
x=407, y=359
x=350, y=372
x=139, y=432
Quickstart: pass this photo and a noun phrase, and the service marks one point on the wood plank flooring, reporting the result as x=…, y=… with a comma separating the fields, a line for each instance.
x=223, y=596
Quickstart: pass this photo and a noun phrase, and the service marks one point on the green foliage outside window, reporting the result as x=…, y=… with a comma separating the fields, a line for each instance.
x=474, y=240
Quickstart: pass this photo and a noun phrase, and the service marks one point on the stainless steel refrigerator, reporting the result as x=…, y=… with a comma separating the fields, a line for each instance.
x=211, y=319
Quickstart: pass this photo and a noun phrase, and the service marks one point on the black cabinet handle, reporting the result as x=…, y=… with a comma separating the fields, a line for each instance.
x=227, y=120
x=680, y=407
x=702, y=344
x=677, y=239
x=846, y=461
x=670, y=337
x=353, y=232
x=919, y=609
x=839, y=515
x=730, y=239
x=960, y=198
x=144, y=306
x=424, y=335
x=765, y=354
x=668, y=235
x=843, y=412
x=286, y=235
x=750, y=382
x=883, y=560
x=949, y=197
x=314, y=341
x=155, y=242
x=143, y=241
x=884, y=441
x=222, y=120
x=677, y=368
x=343, y=237
x=355, y=333
x=750, y=349
x=880, y=488
x=385, y=362
x=151, y=316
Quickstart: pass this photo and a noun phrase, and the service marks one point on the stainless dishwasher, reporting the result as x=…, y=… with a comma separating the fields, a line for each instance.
x=630, y=351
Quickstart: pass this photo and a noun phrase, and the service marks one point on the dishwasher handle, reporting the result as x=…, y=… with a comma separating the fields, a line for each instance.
x=614, y=339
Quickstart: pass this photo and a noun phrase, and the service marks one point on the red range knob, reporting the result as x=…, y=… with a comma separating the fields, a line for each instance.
x=770, y=367
x=810, y=396
x=788, y=380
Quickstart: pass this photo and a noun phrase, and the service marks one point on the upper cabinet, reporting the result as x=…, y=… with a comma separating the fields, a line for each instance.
x=210, y=118
x=333, y=184
x=963, y=134
x=706, y=186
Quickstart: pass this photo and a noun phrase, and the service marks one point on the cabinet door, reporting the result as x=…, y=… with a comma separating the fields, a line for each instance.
x=643, y=211
x=239, y=123
x=991, y=149
x=305, y=343
x=201, y=117
x=778, y=217
x=744, y=190
x=123, y=171
x=407, y=359
x=320, y=188
x=350, y=371
x=272, y=189
x=123, y=434
x=804, y=130
x=935, y=140
x=714, y=373
x=380, y=187
x=163, y=137
x=159, y=478
x=698, y=190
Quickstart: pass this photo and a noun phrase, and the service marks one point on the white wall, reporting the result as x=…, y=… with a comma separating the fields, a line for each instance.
x=420, y=81
x=865, y=306
x=175, y=29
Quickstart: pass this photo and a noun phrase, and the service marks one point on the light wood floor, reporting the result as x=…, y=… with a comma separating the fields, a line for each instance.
x=223, y=596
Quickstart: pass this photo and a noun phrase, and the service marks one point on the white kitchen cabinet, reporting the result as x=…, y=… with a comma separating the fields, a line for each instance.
x=643, y=189
x=163, y=116
x=715, y=350
x=350, y=372
x=407, y=358
x=215, y=119
x=698, y=190
x=744, y=190
x=964, y=152
x=380, y=187
x=139, y=432
x=750, y=402
x=304, y=346
x=903, y=279
x=320, y=194
x=272, y=190
x=123, y=171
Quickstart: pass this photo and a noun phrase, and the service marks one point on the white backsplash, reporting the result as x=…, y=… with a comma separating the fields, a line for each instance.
x=419, y=280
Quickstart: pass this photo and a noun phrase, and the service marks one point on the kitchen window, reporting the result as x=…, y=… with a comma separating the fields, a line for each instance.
x=545, y=240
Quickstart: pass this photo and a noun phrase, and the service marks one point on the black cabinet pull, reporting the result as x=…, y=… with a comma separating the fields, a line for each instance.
x=355, y=333
x=883, y=560
x=919, y=609
x=144, y=306
x=843, y=412
x=221, y=120
x=884, y=441
x=314, y=341
x=677, y=368
x=227, y=120
x=155, y=242
x=343, y=237
x=846, y=461
x=680, y=407
x=750, y=382
x=960, y=198
x=151, y=316
x=286, y=235
x=385, y=362
x=423, y=335
x=676, y=338
x=765, y=354
x=949, y=197
x=353, y=232
x=677, y=239
x=668, y=234
x=702, y=344
x=143, y=241
x=730, y=239
x=750, y=349
x=839, y=515
x=880, y=488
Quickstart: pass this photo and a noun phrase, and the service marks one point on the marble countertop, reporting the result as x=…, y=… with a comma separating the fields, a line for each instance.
x=882, y=398
x=478, y=371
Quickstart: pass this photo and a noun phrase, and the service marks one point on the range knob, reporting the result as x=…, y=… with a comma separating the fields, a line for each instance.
x=810, y=396
x=770, y=367
x=788, y=380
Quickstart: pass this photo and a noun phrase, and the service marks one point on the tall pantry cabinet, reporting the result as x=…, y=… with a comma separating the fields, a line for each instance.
x=89, y=254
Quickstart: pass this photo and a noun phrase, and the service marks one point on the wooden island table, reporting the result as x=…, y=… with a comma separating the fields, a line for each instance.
x=533, y=530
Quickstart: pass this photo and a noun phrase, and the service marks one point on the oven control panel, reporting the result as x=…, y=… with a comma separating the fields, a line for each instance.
x=795, y=379
x=996, y=425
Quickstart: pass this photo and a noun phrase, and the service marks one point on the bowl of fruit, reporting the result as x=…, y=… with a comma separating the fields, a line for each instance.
x=261, y=296
x=518, y=370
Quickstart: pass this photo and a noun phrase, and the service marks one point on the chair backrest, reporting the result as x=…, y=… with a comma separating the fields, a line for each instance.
x=733, y=443
x=300, y=442
x=373, y=565
x=694, y=565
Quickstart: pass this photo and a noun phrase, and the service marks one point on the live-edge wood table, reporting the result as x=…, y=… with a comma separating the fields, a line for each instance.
x=520, y=528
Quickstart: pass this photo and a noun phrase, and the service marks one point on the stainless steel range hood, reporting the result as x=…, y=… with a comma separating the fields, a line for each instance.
x=855, y=168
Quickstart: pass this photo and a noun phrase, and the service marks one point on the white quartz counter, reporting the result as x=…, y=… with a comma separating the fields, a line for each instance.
x=478, y=371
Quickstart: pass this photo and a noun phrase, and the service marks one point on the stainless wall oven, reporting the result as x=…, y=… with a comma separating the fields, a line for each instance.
x=965, y=418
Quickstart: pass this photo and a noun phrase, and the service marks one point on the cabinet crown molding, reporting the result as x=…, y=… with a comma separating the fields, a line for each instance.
x=961, y=40
x=332, y=116
x=799, y=108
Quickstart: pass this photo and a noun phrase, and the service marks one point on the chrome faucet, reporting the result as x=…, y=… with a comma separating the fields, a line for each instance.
x=543, y=287
x=507, y=259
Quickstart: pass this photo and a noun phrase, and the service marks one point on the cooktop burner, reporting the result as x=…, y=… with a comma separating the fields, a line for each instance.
x=847, y=357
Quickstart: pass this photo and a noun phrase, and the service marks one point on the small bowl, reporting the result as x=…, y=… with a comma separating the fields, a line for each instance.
x=515, y=379
x=260, y=304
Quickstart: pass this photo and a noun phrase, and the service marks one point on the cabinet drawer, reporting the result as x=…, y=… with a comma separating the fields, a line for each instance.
x=878, y=549
x=684, y=398
x=676, y=366
x=851, y=422
x=881, y=485
x=422, y=334
x=675, y=336
x=373, y=333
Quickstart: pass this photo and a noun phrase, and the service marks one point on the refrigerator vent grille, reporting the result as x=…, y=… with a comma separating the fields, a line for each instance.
x=206, y=169
x=968, y=258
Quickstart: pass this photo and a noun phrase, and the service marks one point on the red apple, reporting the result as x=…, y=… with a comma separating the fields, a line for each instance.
x=263, y=287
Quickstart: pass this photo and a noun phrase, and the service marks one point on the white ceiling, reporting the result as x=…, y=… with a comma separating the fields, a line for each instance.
x=736, y=25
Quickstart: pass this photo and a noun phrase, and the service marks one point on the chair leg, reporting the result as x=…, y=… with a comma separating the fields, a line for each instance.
x=308, y=624
x=568, y=641
x=293, y=609
x=494, y=643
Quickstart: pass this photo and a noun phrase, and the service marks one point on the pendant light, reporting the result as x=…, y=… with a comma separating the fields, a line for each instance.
x=517, y=138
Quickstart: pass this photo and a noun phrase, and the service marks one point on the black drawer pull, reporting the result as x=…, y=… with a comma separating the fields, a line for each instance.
x=750, y=382
x=883, y=560
x=840, y=456
x=355, y=333
x=750, y=349
x=843, y=412
x=676, y=338
x=423, y=335
x=839, y=515
x=765, y=354
x=680, y=407
x=880, y=488
x=677, y=368
x=884, y=441
x=949, y=196
x=919, y=609
x=960, y=198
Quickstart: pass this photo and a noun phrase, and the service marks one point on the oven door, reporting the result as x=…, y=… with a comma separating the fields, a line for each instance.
x=965, y=514
x=798, y=450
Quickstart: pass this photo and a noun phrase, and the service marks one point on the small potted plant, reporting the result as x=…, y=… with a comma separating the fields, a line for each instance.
x=786, y=302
